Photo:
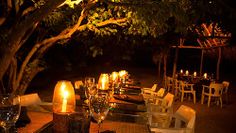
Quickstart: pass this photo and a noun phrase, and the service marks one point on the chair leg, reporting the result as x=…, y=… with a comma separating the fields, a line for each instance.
x=182, y=97
x=202, y=99
x=194, y=98
x=209, y=101
x=220, y=102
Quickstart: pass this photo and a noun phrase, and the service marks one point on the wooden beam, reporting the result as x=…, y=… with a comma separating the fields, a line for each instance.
x=190, y=47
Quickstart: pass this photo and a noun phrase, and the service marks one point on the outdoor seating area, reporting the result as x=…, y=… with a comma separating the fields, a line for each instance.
x=117, y=66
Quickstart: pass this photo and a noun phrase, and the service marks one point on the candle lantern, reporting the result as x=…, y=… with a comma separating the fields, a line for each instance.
x=181, y=71
x=205, y=75
x=63, y=105
x=186, y=73
x=123, y=75
x=195, y=74
x=114, y=77
x=103, y=82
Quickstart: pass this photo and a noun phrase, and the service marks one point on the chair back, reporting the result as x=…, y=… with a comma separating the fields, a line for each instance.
x=160, y=92
x=186, y=114
x=225, y=86
x=154, y=87
x=218, y=87
x=78, y=83
x=169, y=99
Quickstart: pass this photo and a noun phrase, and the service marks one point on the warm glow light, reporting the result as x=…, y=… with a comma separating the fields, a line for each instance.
x=114, y=76
x=205, y=75
x=103, y=82
x=64, y=97
x=186, y=73
x=195, y=74
x=181, y=71
x=123, y=73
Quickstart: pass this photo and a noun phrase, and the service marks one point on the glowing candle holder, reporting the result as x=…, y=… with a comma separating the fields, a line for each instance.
x=205, y=75
x=195, y=74
x=103, y=82
x=186, y=72
x=123, y=75
x=63, y=105
x=114, y=77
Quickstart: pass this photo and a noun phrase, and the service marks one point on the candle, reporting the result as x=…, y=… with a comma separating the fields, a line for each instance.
x=103, y=82
x=195, y=74
x=114, y=76
x=186, y=73
x=181, y=71
x=64, y=97
x=205, y=75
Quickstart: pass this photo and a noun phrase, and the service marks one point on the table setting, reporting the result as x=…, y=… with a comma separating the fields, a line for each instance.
x=108, y=106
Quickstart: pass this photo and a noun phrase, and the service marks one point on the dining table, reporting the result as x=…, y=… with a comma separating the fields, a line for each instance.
x=127, y=115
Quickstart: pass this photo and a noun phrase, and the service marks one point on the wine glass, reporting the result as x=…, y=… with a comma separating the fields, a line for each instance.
x=99, y=107
x=9, y=110
x=91, y=88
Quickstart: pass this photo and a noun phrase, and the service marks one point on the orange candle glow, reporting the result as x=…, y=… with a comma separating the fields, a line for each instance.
x=186, y=73
x=181, y=71
x=205, y=75
x=64, y=97
x=195, y=74
x=103, y=82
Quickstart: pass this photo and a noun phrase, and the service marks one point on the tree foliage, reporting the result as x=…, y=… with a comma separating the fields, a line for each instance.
x=30, y=28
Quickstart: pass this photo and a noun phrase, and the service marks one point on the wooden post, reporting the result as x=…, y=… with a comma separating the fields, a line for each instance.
x=218, y=65
x=201, y=62
x=174, y=67
x=164, y=68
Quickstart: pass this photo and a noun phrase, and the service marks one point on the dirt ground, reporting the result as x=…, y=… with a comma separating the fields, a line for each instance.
x=209, y=119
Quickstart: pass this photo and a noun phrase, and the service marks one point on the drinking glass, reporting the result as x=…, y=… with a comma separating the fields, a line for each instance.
x=91, y=88
x=99, y=107
x=9, y=110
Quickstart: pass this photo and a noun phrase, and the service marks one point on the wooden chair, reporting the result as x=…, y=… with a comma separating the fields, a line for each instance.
x=225, y=92
x=186, y=88
x=146, y=90
x=159, y=113
x=151, y=95
x=184, y=122
x=214, y=90
x=169, y=83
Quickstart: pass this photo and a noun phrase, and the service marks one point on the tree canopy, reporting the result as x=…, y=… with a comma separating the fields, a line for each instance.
x=30, y=28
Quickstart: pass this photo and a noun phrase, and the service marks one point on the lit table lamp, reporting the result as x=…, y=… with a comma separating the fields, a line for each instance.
x=63, y=105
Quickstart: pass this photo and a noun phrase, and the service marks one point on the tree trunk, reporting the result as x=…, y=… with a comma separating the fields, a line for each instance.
x=159, y=69
x=174, y=67
x=164, y=67
x=20, y=31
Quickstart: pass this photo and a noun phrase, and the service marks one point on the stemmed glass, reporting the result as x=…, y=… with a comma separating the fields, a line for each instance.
x=99, y=107
x=9, y=110
x=91, y=88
